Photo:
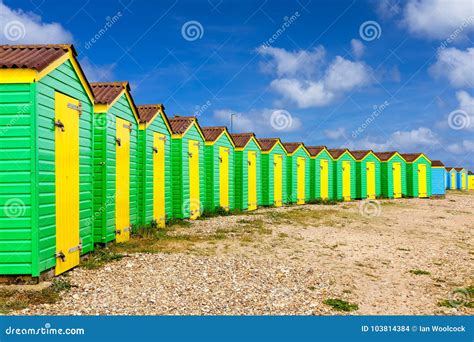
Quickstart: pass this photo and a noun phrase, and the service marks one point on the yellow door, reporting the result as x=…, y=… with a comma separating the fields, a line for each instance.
x=194, y=200
x=66, y=135
x=300, y=170
x=346, y=180
x=471, y=182
x=159, y=212
x=397, y=180
x=277, y=179
x=370, y=180
x=324, y=179
x=453, y=180
x=122, y=180
x=252, y=180
x=463, y=181
x=422, y=180
x=224, y=177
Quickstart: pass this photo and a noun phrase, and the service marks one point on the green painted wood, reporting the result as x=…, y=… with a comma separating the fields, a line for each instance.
x=337, y=174
x=268, y=179
x=104, y=169
x=292, y=183
x=316, y=175
x=145, y=170
x=412, y=177
x=212, y=173
x=386, y=176
x=361, y=176
x=27, y=191
x=241, y=176
x=180, y=172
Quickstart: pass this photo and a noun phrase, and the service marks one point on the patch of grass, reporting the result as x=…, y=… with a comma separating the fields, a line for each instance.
x=283, y=235
x=324, y=201
x=17, y=299
x=340, y=305
x=404, y=249
x=462, y=297
x=220, y=211
x=100, y=257
x=304, y=217
x=419, y=272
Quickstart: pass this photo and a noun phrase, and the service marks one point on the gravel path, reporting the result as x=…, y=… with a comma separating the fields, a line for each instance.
x=338, y=252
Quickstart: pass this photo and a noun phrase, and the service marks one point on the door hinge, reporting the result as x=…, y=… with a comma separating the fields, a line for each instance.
x=61, y=256
x=59, y=124
x=129, y=127
x=127, y=229
x=76, y=248
x=78, y=107
x=162, y=138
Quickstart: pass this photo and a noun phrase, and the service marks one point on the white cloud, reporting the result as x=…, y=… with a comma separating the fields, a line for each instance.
x=402, y=140
x=335, y=134
x=438, y=19
x=306, y=79
x=287, y=63
x=466, y=146
x=96, y=73
x=19, y=27
x=358, y=48
x=456, y=66
x=388, y=8
x=257, y=121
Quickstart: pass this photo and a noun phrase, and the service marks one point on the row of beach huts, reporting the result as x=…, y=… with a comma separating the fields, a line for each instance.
x=81, y=164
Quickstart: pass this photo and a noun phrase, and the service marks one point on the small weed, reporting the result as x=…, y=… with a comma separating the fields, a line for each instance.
x=462, y=297
x=341, y=305
x=404, y=249
x=419, y=272
x=100, y=257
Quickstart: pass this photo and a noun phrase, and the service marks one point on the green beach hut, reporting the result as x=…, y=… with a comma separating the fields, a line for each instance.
x=187, y=167
x=274, y=187
x=248, y=186
x=298, y=172
x=115, y=162
x=219, y=160
x=154, y=160
x=393, y=178
x=46, y=113
x=418, y=175
x=322, y=175
x=344, y=174
x=367, y=174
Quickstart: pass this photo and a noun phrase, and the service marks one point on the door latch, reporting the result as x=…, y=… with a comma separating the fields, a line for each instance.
x=59, y=124
x=190, y=154
x=118, y=141
x=118, y=232
x=61, y=256
x=155, y=149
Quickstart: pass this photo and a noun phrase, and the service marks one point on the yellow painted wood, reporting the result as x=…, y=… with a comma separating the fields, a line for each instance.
x=346, y=180
x=422, y=180
x=67, y=183
x=370, y=174
x=300, y=170
x=470, y=179
x=397, y=180
x=159, y=212
x=224, y=177
x=453, y=181
x=277, y=179
x=194, y=200
x=252, y=180
x=324, y=179
x=17, y=75
x=463, y=181
x=122, y=181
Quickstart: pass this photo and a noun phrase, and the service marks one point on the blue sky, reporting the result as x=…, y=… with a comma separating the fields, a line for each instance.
x=386, y=75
